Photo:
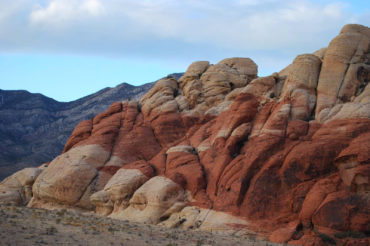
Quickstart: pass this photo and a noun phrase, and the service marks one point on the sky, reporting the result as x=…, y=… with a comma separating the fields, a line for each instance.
x=67, y=49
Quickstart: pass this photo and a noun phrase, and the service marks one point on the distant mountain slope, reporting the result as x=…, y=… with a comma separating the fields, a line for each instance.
x=34, y=128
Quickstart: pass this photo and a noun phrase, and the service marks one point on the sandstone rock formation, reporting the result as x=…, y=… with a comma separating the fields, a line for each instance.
x=35, y=128
x=17, y=189
x=344, y=74
x=286, y=156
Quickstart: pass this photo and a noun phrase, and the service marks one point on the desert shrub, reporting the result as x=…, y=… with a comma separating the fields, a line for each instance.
x=61, y=212
x=327, y=239
x=200, y=242
x=51, y=230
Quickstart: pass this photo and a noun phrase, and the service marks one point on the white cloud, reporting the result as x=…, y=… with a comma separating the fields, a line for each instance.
x=64, y=11
x=169, y=29
x=93, y=7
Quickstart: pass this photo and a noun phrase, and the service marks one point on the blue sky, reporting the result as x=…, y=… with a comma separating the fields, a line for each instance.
x=67, y=49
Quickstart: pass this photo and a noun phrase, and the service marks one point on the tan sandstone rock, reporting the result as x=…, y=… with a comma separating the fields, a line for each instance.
x=118, y=191
x=152, y=200
x=300, y=85
x=346, y=54
x=17, y=188
x=70, y=174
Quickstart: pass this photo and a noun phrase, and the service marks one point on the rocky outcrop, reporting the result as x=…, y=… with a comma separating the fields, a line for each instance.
x=220, y=149
x=17, y=189
x=34, y=128
x=344, y=75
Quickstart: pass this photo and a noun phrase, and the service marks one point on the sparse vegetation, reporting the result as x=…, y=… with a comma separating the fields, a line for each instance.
x=64, y=227
x=51, y=230
x=61, y=212
x=327, y=239
x=200, y=242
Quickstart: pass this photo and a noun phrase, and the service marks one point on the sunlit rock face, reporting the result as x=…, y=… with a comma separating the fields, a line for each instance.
x=286, y=155
x=345, y=76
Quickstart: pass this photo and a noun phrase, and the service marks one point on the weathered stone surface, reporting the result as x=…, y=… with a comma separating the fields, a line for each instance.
x=17, y=189
x=300, y=85
x=346, y=55
x=347, y=111
x=211, y=83
x=220, y=149
x=69, y=175
x=190, y=82
x=264, y=86
x=152, y=200
x=118, y=191
x=285, y=234
x=320, y=53
x=220, y=79
x=246, y=68
x=205, y=219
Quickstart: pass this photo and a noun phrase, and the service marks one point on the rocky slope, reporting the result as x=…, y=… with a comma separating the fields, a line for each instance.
x=34, y=128
x=286, y=156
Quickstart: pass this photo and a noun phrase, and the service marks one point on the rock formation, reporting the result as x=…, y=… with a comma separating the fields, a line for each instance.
x=286, y=156
x=35, y=128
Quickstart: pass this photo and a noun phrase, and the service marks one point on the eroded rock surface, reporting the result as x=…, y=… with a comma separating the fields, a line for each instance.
x=286, y=156
x=344, y=73
x=17, y=188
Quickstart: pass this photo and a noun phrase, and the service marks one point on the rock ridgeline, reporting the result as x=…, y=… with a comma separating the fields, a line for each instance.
x=34, y=128
x=286, y=156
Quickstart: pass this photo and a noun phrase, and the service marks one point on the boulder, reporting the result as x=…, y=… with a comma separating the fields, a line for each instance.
x=69, y=175
x=17, y=188
x=118, y=191
x=152, y=200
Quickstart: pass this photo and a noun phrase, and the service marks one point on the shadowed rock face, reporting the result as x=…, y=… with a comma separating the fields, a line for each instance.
x=220, y=149
x=34, y=128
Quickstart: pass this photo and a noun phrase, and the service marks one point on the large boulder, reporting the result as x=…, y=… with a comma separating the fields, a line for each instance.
x=69, y=176
x=154, y=201
x=118, y=191
x=17, y=188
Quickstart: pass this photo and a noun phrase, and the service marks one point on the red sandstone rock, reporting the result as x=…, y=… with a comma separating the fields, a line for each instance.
x=266, y=159
x=285, y=233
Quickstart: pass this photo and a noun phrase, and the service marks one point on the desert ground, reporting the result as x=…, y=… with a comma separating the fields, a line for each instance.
x=24, y=226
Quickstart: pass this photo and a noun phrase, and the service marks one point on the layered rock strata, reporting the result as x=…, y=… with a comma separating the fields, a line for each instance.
x=286, y=156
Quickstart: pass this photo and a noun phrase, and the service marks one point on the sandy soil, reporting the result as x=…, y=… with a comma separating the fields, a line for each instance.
x=25, y=226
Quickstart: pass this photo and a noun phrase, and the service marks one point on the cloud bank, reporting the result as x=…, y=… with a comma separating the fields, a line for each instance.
x=269, y=31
